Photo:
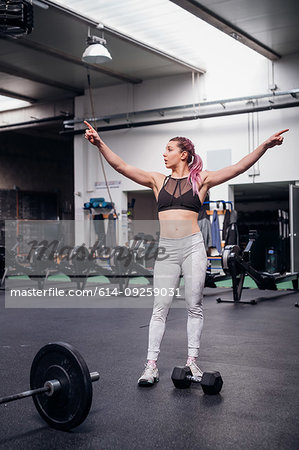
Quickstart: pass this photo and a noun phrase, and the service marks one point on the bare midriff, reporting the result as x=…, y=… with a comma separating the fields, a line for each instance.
x=178, y=223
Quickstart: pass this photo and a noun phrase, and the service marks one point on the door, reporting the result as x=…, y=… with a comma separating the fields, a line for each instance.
x=294, y=227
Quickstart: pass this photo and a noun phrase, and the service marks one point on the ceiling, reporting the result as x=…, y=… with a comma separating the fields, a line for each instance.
x=46, y=65
x=271, y=27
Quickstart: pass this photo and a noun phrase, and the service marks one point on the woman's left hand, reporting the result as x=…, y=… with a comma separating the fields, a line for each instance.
x=275, y=139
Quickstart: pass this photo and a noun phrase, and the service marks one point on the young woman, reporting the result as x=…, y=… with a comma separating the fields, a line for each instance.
x=179, y=198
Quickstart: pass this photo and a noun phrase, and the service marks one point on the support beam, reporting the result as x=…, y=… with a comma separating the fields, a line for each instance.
x=216, y=21
x=22, y=73
x=17, y=96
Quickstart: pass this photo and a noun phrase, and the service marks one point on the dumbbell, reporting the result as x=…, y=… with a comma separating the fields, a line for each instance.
x=211, y=382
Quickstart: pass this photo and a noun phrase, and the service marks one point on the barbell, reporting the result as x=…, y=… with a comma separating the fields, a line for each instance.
x=60, y=385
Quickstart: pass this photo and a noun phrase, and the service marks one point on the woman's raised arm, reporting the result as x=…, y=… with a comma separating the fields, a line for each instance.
x=213, y=178
x=138, y=175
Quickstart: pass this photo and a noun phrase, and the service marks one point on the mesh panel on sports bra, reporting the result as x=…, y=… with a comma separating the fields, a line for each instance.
x=177, y=186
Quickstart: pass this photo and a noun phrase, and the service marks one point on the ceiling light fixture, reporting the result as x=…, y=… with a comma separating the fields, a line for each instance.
x=96, y=51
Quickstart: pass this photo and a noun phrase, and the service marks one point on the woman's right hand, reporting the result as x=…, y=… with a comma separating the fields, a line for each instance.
x=91, y=134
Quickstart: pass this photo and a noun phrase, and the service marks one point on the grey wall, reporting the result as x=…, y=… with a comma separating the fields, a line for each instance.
x=34, y=163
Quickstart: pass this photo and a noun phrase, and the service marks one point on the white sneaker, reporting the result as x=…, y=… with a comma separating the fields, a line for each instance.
x=196, y=372
x=149, y=376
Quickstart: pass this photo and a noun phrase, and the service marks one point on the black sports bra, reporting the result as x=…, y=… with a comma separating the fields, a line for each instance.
x=177, y=193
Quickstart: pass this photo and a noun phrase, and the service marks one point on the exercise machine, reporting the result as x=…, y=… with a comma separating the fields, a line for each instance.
x=237, y=264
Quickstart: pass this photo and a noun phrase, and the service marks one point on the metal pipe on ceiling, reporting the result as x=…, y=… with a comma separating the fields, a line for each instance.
x=223, y=112
x=188, y=118
x=30, y=123
x=293, y=93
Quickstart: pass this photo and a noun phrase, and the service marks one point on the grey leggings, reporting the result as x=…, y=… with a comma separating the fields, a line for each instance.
x=188, y=255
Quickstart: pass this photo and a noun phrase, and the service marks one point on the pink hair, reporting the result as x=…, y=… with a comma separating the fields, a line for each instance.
x=194, y=161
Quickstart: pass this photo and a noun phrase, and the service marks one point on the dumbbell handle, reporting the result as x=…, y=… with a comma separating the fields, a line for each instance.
x=49, y=388
x=194, y=379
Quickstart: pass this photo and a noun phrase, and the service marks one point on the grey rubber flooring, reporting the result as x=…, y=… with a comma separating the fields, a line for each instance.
x=255, y=347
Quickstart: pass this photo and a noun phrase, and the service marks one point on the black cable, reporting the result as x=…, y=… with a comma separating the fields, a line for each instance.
x=95, y=127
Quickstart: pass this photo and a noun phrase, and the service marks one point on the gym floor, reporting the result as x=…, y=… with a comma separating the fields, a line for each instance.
x=255, y=347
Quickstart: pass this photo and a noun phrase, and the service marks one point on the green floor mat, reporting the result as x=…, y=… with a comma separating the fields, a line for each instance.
x=249, y=283
x=100, y=279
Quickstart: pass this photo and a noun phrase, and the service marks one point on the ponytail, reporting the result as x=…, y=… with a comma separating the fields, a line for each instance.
x=194, y=176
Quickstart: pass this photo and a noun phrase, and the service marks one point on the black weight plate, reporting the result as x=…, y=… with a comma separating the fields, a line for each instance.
x=179, y=377
x=69, y=406
x=211, y=383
